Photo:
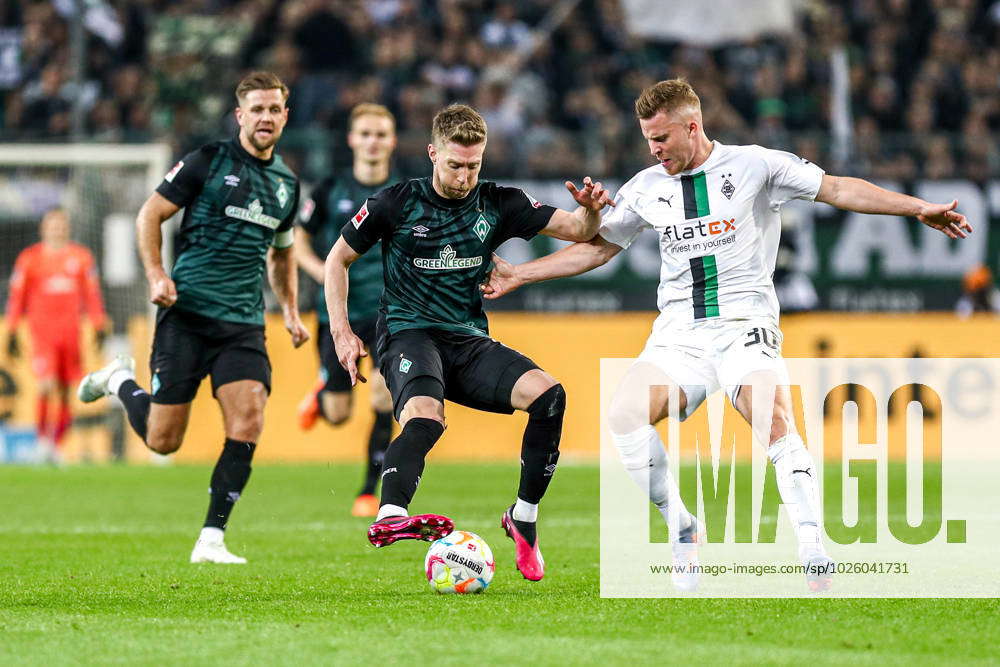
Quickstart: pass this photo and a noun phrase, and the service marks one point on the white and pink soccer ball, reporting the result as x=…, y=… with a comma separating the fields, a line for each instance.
x=460, y=562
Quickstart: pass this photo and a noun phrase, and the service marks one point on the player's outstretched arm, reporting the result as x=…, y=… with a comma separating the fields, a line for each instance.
x=348, y=346
x=157, y=210
x=583, y=223
x=572, y=260
x=283, y=274
x=855, y=194
x=306, y=256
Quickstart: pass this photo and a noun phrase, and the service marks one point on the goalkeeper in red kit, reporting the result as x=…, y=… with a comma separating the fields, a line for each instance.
x=53, y=283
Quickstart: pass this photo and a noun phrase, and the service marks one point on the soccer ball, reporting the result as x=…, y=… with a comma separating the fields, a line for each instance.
x=460, y=562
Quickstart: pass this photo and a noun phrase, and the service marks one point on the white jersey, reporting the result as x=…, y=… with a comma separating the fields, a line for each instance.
x=719, y=228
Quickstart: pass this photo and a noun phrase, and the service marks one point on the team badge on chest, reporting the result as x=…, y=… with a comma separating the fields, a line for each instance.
x=482, y=228
x=728, y=188
x=281, y=193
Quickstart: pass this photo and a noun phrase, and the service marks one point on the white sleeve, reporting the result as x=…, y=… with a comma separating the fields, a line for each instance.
x=621, y=224
x=790, y=177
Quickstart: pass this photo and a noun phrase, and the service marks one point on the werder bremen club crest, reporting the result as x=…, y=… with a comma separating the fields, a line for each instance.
x=281, y=193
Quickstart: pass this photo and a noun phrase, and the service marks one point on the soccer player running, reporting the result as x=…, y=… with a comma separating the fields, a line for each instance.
x=437, y=236
x=53, y=282
x=239, y=202
x=372, y=138
x=715, y=208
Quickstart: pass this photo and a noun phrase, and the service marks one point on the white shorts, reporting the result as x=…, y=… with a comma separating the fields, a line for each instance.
x=705, y=356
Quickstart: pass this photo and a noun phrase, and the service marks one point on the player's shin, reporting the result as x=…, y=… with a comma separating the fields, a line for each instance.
x=539, y=455
x=378, y=442
x=228, y=480
x=136, y=402
x=64, y=421
x=796, y=477
x=645, y=459
x=42, y=416
x=404, y=464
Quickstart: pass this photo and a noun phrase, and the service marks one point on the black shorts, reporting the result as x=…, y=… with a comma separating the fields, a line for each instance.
x=337, y=379
x=475, y=371
x=187, y=347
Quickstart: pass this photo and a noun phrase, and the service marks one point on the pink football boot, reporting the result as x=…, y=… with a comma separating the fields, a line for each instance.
x=427, y=527
x=528, y=556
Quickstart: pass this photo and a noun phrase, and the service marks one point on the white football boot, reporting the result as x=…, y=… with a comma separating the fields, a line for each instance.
x=211, y=548
x=686, y=574
x=820, y=568
x=95, y=385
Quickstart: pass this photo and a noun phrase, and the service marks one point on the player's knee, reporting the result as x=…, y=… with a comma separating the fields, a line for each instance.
x=545, y=417
x=164, y=442
x=422, y=407
x=381, y=400
x=550, y=404
x=248, y=431
x=336, y=418
x=626, y=415
x=634, y=448
x=247, y=426
x=405, y=419
x=382, y=404
x=335, y=410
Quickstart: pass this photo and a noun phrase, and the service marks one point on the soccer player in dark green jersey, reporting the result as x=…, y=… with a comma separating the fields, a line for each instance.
x=372, y=138
x=437, y=236
x=239, y=202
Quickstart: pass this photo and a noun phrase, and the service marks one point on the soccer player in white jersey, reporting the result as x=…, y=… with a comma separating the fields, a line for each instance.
x=715, y=209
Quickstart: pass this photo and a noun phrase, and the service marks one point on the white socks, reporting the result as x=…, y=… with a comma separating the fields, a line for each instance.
x=645, y=460
x=525, y=511
x=117, y=379
x=209, y=534
x=390, y=510
x=795, y=472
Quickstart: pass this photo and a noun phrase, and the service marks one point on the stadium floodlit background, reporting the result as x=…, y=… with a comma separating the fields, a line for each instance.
x=96, y=107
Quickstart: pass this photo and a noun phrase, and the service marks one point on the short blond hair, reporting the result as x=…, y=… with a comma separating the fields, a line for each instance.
x=261, y=80
x=669, y=96
x=369, y=109
x=459, y=123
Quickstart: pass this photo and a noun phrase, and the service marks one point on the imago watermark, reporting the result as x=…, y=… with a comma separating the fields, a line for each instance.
x=896, y=497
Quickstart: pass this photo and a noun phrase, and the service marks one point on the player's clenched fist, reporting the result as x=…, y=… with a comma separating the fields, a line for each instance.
x=502, y=279
x=162, y=290
x=297, y=330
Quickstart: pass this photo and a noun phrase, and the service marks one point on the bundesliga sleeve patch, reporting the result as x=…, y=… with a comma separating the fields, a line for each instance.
x=360, y=216
x=534, y=202
x=306, y=213
x=169, y=178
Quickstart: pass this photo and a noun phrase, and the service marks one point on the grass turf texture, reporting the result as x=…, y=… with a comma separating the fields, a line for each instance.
x=93, y=569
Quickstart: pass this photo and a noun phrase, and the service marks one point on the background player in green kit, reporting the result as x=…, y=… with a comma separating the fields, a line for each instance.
x=239, y=203
x=372, y=138
x=437, y=236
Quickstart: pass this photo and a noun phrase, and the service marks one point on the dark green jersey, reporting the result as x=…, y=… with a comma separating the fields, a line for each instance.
x=236, y=206
x=333, y=202
x=437, y=251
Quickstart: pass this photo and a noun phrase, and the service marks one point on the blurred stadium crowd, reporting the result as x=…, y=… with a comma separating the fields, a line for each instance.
x=924, y=79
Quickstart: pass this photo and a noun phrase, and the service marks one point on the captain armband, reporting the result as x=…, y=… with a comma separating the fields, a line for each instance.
x=283, y=239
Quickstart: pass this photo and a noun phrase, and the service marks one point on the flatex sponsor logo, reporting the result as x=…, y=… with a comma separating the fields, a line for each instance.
x=700, y=229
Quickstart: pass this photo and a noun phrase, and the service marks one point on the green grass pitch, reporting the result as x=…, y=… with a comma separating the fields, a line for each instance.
x=93, y=569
